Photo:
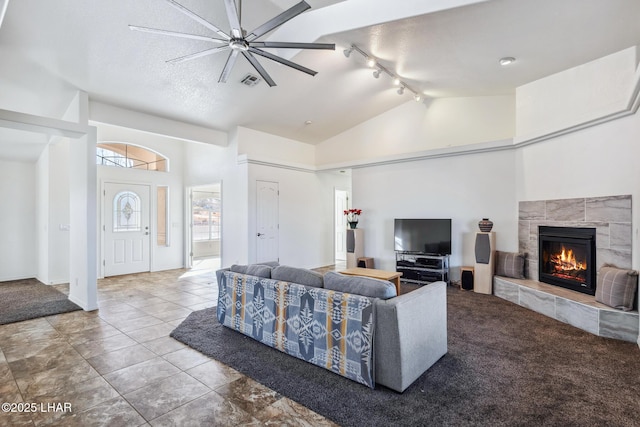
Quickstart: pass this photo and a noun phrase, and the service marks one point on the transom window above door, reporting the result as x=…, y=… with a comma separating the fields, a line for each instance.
x=123, y=155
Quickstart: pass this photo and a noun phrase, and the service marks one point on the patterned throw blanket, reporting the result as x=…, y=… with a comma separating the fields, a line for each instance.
x=330, y=329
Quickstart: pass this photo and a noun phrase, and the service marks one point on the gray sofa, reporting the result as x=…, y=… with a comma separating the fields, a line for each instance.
x=409, y=333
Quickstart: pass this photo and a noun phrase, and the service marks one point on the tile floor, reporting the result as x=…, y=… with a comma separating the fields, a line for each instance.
x=117, y=366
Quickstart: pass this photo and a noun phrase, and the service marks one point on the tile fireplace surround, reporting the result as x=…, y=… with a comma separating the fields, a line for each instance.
x=611, y=217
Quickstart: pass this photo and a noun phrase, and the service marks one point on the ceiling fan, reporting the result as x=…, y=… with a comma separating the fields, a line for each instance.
x=238, y=41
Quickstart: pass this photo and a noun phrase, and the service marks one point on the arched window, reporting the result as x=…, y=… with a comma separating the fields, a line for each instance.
x=130, y=156
x=126, y=212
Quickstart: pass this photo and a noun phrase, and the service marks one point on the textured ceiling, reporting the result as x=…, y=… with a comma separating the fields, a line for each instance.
x=51, y=48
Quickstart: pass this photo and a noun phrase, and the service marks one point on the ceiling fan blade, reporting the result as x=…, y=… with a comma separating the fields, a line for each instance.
x=253, y=61
x=197, y=55
x=197, y=18
x=232, y=15
x=175, y=34
x=288, y=14
x=231, y=60
x=287, y=45
x=282, y=61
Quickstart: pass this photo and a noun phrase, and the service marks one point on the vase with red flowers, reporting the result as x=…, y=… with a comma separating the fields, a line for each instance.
x=352, y=217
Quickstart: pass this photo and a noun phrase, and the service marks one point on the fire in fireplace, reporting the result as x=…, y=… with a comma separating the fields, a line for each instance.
x=568, y=257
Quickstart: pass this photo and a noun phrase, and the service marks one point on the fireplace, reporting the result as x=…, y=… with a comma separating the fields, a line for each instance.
x=567, y=258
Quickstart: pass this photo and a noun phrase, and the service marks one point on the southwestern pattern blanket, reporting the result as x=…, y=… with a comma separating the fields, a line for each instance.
x=330, y=329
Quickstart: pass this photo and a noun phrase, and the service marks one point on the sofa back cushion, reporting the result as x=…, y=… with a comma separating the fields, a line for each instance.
x=301, y=276
x=258, y=270
x=365, y=286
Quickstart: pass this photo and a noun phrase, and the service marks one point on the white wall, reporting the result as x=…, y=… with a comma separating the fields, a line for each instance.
x=597, y=161
x=412, y=127
x=58, y=244
x=590, y=91
x=267, y=147
x=306, y=200
x=206, y=164
x=306, y=212
x=18, y=222
x=464, y=188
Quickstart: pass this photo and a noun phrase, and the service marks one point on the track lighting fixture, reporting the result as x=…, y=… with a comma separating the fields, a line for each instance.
x=379, y=69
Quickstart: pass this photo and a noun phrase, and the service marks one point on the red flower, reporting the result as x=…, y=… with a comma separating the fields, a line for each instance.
x=352, y=214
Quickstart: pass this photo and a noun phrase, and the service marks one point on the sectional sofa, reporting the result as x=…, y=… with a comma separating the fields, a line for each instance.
x=356, y=327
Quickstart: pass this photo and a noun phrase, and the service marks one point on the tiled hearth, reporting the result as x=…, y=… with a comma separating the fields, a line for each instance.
x=577, y=309
x=611, y=217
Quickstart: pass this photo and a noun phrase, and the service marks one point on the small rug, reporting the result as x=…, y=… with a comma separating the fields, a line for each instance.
x=29, y=299
x=506, y=365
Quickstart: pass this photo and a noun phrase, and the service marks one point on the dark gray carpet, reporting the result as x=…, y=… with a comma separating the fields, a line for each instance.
x=506, y=366
x=29, y=299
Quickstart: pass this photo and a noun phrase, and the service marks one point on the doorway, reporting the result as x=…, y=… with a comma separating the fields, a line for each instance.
x=267, y=221
x=340, y=224
x=206, y=225
x=126, y=210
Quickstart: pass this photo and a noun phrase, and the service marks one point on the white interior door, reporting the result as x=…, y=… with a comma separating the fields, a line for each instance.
x=267, y=224
x=341, y=225
x=126, y=228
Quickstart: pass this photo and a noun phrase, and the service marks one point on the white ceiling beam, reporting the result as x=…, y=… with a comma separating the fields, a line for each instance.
x=45, y=125
x=100, y=112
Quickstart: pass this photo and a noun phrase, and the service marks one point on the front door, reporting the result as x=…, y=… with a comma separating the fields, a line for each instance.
x=267, y=221
x=126, y=228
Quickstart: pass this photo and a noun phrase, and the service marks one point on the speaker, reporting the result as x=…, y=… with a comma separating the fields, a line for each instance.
x=485, y=260
x=466, y=279
x=483, y=249
x=351, y=241
x=355, y=246
x=365, y=262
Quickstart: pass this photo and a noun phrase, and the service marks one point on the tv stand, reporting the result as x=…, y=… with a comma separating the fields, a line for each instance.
x=422, y=269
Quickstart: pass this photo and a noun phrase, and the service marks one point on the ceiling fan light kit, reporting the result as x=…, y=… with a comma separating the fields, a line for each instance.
x=379, y=69
x=239, y=41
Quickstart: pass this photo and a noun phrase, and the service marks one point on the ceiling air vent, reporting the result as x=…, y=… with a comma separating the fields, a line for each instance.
x=250, y=80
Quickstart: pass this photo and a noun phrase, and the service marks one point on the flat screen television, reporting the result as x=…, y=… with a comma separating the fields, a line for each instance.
x=426, y=236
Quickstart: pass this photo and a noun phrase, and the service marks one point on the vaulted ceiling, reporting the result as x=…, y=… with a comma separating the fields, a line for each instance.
x=446, y=48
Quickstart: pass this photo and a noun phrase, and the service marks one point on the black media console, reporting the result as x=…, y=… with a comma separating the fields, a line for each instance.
x=422, y=269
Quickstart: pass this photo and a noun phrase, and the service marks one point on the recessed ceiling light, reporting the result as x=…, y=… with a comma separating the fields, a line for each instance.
x=308, y=122
x=507, y=60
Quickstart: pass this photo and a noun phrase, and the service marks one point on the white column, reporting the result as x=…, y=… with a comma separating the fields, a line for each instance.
x=83, y=221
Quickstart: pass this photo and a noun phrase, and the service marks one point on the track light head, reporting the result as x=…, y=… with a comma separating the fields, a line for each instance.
x=396, y=81
x=400, y=90
x=347, y=52
x=376, y=73
x=371, y=62
x=417, y=97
